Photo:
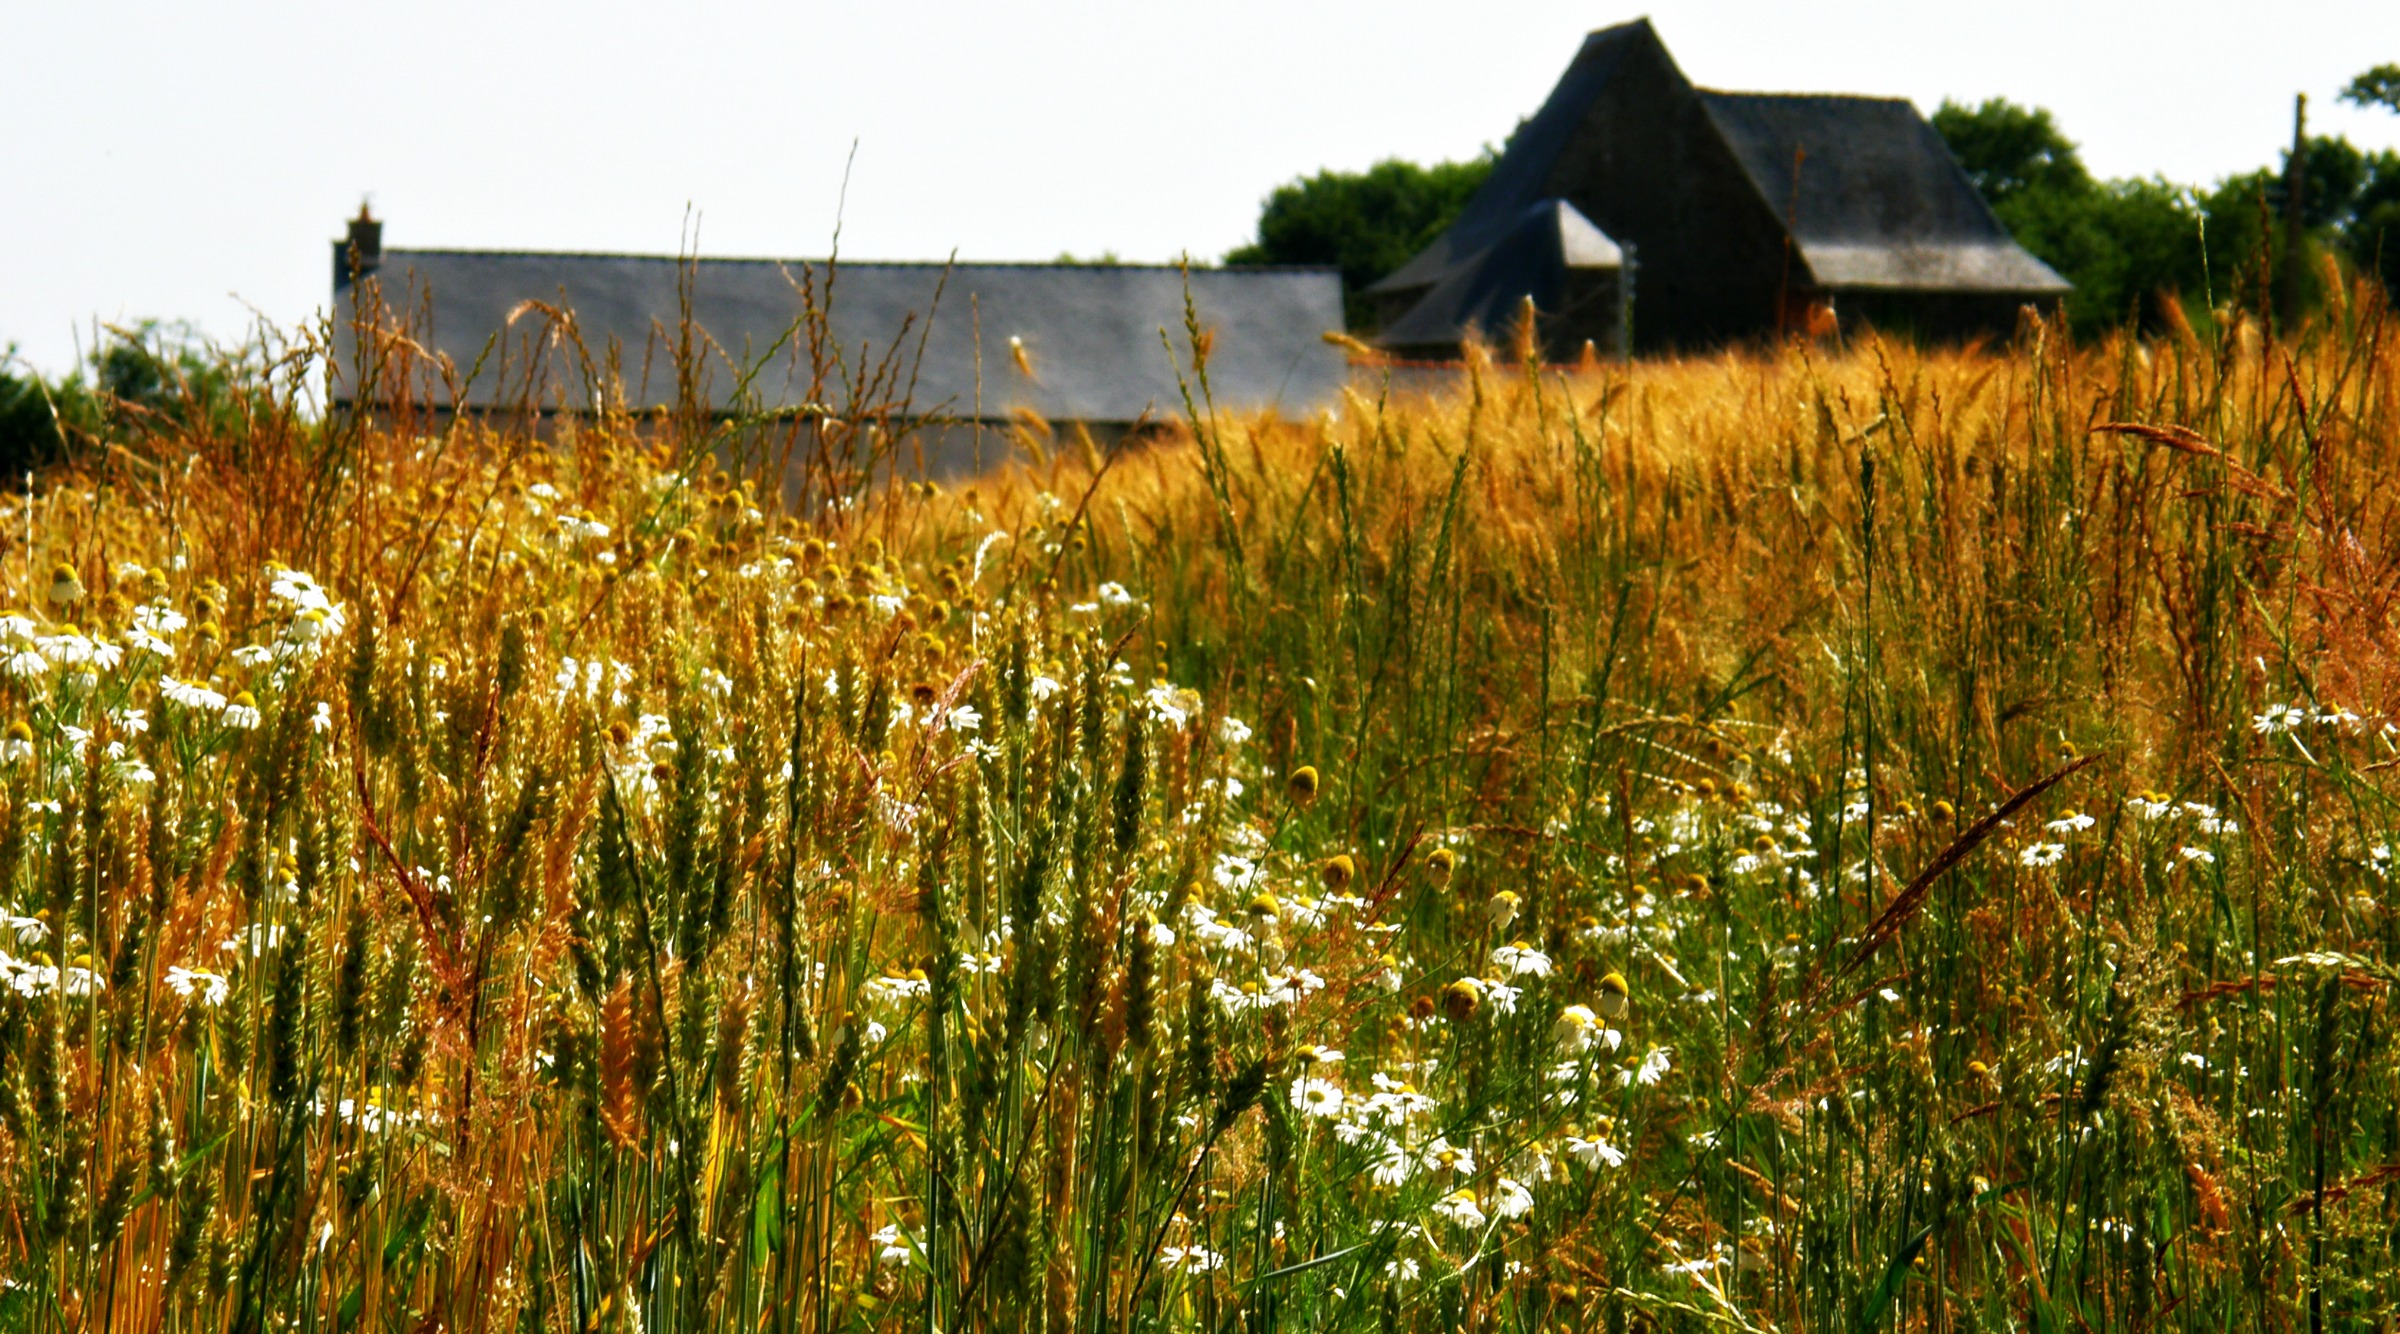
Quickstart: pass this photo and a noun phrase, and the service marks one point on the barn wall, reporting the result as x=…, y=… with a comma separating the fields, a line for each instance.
x=1648, y=167
x=1593, y=311
x=1937, y=317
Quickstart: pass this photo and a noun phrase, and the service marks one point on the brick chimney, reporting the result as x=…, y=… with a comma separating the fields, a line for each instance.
x=364, y=245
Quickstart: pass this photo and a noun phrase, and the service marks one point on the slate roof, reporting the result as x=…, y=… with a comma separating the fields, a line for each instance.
x=1881, y=201
x=1487, y=289
x=1091, y=332
x=1522, y=175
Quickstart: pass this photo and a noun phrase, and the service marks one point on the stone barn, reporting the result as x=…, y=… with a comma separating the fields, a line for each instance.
x=1637, y=210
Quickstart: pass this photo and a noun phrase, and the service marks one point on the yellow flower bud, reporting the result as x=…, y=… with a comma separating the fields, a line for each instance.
x=1614, y=995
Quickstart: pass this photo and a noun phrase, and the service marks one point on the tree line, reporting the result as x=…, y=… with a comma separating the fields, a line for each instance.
x=137, y=379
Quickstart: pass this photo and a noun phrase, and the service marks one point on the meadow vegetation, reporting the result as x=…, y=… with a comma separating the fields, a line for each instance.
x=1839, y=837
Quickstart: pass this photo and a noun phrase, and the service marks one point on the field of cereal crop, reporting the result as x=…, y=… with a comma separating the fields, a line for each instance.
x=1834, y=839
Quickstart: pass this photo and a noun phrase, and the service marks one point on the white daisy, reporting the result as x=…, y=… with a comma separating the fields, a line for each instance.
x=2042, y=854
x=1653, y=1068
x=892, y=1248
x=1594, y=1151
x=1317, y=1097
x=1521, y=960
x=2278, y=718
x=211, y=988
x=1443, y=1156
x=190, y=696
x=1511, y=1199
x=1459, y=1207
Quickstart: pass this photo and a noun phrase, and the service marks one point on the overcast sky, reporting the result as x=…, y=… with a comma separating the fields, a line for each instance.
x=191, y=161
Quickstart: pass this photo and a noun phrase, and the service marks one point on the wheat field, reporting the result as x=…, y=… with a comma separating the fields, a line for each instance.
x=1833, y=838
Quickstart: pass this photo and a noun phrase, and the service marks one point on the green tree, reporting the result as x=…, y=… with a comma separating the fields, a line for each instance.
x=2372, y=235
x=2333, y=175
x=2122, y=243
x=2350, y=204
x=2010, y=151
x=39, y=421
x=1367, y=223
x=165, y=374
x=2378, y=87
x=148, y=379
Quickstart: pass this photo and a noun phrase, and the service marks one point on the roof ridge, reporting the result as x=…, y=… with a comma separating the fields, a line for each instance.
x=1145, y=267
x=1797, y=97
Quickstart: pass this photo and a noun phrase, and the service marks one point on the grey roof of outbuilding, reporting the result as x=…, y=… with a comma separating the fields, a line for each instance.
x=1881, y=202
x=1487, y=289
x=1091, y=332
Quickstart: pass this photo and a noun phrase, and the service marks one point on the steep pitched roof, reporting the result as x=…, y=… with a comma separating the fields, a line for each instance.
x=1486, y=290
x=1091, y=332
x=1880, y=201
x=1522, y=175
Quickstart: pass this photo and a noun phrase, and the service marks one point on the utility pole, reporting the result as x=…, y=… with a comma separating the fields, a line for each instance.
x=2295, y=188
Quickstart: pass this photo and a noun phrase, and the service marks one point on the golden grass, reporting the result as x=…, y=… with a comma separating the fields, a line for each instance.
x=651, y=911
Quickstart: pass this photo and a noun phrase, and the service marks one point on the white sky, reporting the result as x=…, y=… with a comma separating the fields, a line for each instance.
x=192, y=161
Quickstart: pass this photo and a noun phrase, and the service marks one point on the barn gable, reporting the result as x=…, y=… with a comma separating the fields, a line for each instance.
x=1526, y=173
x=1698, y=189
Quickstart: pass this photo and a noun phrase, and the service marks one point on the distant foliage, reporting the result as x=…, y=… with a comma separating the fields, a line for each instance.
x=37, y=418
x=2011, y=152
x=2374, y=231
x=1367, y=222
x=2378, y=87
x=2126, y=243
x=142, y=380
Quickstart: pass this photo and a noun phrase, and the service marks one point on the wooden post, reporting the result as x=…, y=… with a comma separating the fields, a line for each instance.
x=2295, y=251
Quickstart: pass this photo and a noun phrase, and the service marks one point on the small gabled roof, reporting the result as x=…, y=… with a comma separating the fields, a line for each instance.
x=1880, y=201
x=1091, y=332
x=1487, y=290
